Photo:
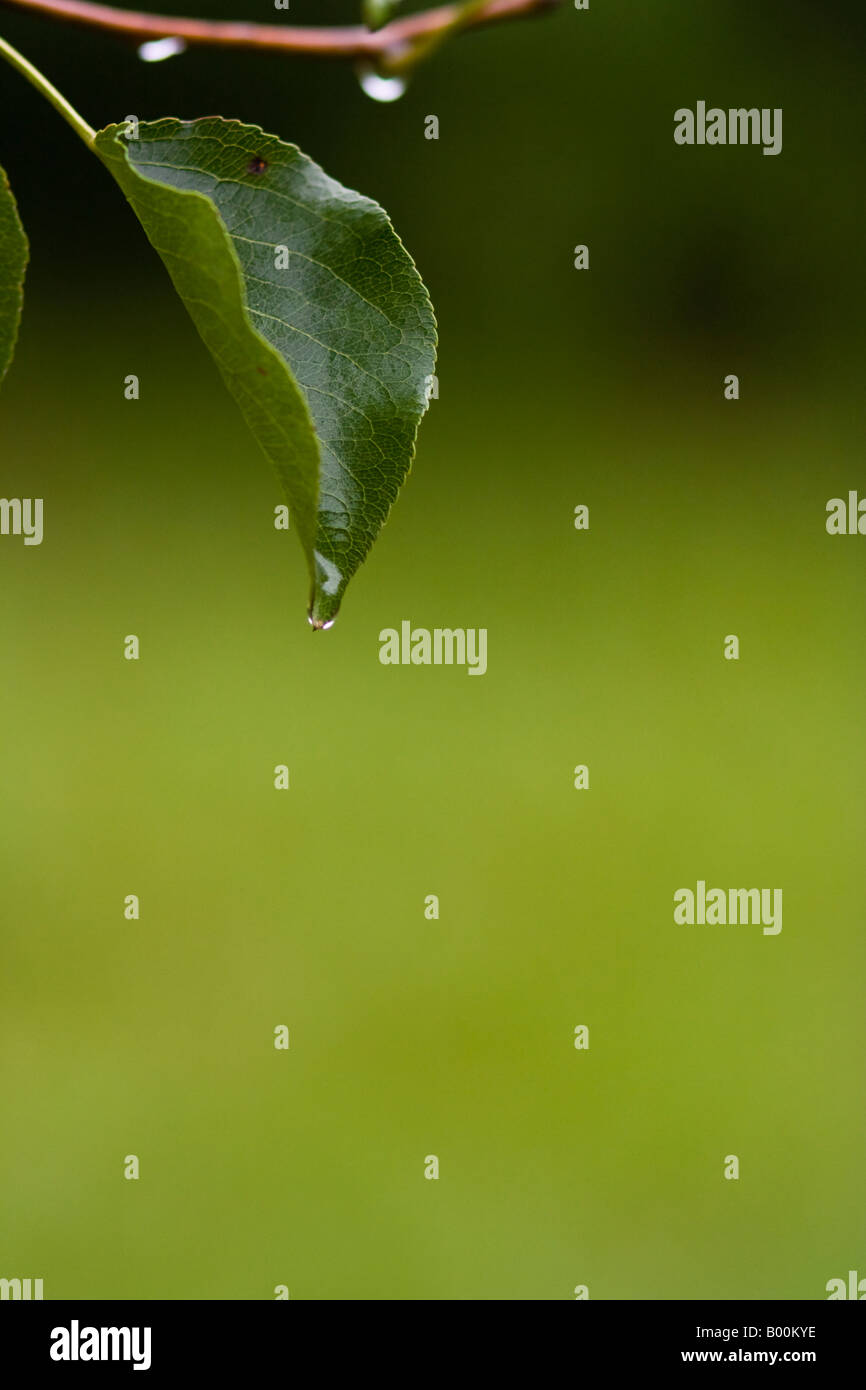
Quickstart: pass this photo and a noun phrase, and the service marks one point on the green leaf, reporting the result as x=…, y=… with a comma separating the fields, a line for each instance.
x=13, y=263
x=327, y=344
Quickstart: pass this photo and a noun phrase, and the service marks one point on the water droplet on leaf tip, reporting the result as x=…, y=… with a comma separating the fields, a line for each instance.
x=156, y=49
x=318, y=626
x=377, y=87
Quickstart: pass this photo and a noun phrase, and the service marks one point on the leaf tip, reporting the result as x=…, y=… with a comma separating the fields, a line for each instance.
x=328, y=587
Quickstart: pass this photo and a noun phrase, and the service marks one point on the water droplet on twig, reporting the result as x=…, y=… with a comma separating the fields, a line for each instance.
x=377, y=87
x=156, y=49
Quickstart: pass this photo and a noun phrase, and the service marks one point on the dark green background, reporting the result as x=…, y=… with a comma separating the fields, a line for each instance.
x=454, y=1037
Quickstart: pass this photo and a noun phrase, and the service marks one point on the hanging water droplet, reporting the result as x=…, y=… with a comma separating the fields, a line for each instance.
x=156, y=49
x=378, y=87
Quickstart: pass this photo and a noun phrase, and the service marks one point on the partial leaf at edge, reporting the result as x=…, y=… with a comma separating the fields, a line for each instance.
x=13, y=264
x=329, y=358
x=376, y=13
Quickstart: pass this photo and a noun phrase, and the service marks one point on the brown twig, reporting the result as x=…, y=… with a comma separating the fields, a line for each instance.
x=354, y=41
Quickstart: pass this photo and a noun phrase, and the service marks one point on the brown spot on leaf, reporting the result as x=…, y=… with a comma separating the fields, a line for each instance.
x=257, y=165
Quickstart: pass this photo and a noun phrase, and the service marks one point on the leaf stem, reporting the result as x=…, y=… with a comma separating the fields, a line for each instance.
x=49, y=91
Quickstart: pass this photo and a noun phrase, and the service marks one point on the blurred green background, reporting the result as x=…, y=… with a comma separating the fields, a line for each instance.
x=557, y=387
